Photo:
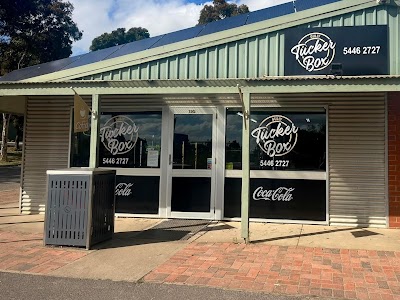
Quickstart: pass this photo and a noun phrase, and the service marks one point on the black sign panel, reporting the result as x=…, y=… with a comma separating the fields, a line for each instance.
x=362, y=50
x=137, y=194
x=291, y=199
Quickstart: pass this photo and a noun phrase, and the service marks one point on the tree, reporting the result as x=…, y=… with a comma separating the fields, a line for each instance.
x=219, y=10
x=34, y=32
x=119, y=37
x=18, y=124
x=4, y=137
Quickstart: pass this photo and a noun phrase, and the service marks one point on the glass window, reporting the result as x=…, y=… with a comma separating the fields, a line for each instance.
x=192, y=141
x=130, y=140
x=80, y=147
x=127, y=140
x=278, y=140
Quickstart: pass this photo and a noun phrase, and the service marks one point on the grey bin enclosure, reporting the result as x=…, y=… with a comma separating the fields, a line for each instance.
x=80, y=207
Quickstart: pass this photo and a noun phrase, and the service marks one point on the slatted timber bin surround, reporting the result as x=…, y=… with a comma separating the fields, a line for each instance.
x=80, y=207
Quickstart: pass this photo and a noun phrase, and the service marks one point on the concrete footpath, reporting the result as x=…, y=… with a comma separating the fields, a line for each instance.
x=321, y=261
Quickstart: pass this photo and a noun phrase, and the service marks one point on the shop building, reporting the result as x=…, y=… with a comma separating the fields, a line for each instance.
x=321, y=83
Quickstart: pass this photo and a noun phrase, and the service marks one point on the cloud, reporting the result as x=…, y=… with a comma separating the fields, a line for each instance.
x=95, y=17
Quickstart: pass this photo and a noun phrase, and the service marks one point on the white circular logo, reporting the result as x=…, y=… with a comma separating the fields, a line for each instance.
x=315, y=51
x=276, y=135
x=119, y=135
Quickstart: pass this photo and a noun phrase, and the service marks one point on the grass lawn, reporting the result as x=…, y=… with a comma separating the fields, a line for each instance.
x=14, y=158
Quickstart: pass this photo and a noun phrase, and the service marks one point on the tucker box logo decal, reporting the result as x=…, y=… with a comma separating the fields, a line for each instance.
x=315, y=51
x=276, y=135
x=119, y=135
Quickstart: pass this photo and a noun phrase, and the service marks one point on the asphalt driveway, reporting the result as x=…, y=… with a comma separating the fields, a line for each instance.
x=9, y=176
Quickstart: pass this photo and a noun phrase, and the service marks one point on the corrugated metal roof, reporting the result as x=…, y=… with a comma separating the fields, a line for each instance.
x=267, y=85
x=158, y=41
x=184, y=82
x=327, y=77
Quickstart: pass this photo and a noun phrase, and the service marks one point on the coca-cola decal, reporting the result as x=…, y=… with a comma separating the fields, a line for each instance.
x=119, y=135
x=123, y=189
x=280, y=194
x=137, y=194
x=276, y=135
x=315, y=51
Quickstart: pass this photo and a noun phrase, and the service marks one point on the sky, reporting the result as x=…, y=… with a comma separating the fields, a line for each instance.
x=95, y=17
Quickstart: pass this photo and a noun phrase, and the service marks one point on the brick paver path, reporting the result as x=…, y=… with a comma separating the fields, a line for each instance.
x=9, y=196
x=25, y=252
x=351, y=274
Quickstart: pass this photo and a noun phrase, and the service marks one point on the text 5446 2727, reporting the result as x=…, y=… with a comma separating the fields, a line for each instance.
x=115, y=161
x=366, y=50
x=274, y=163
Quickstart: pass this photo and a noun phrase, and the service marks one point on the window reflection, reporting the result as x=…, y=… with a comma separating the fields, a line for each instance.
x=127, y=140
x=130, y=140
x=279, y=140
x=192, y=141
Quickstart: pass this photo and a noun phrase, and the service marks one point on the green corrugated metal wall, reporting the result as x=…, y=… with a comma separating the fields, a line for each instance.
x=253, y=57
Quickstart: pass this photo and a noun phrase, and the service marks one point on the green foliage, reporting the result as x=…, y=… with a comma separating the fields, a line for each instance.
x=219, y=10
x=119, y=37
x=35, y=31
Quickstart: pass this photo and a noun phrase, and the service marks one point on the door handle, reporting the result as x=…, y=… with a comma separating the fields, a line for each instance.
x=170, y=159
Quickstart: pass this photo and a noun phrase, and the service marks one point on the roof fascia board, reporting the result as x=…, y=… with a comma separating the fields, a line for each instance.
x=299, y=18
x=203, y=87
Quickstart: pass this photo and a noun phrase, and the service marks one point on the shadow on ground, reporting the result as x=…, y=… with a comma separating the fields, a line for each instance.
x=357, y=233
x=166, y=231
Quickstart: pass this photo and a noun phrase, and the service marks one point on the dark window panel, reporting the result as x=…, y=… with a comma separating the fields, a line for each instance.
x=307, y=4
x=136, y=46
x=270, y=13
x=224, y=24
x=94, y=56
x=40, y=69
x=137, y=194
x=178, y=36
x=191, y=194
x=293, y=199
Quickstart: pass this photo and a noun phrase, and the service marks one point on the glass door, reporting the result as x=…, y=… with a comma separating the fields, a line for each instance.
x=192, y=163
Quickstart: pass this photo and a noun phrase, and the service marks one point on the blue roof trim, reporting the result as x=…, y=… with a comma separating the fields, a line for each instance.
x=166, y=39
